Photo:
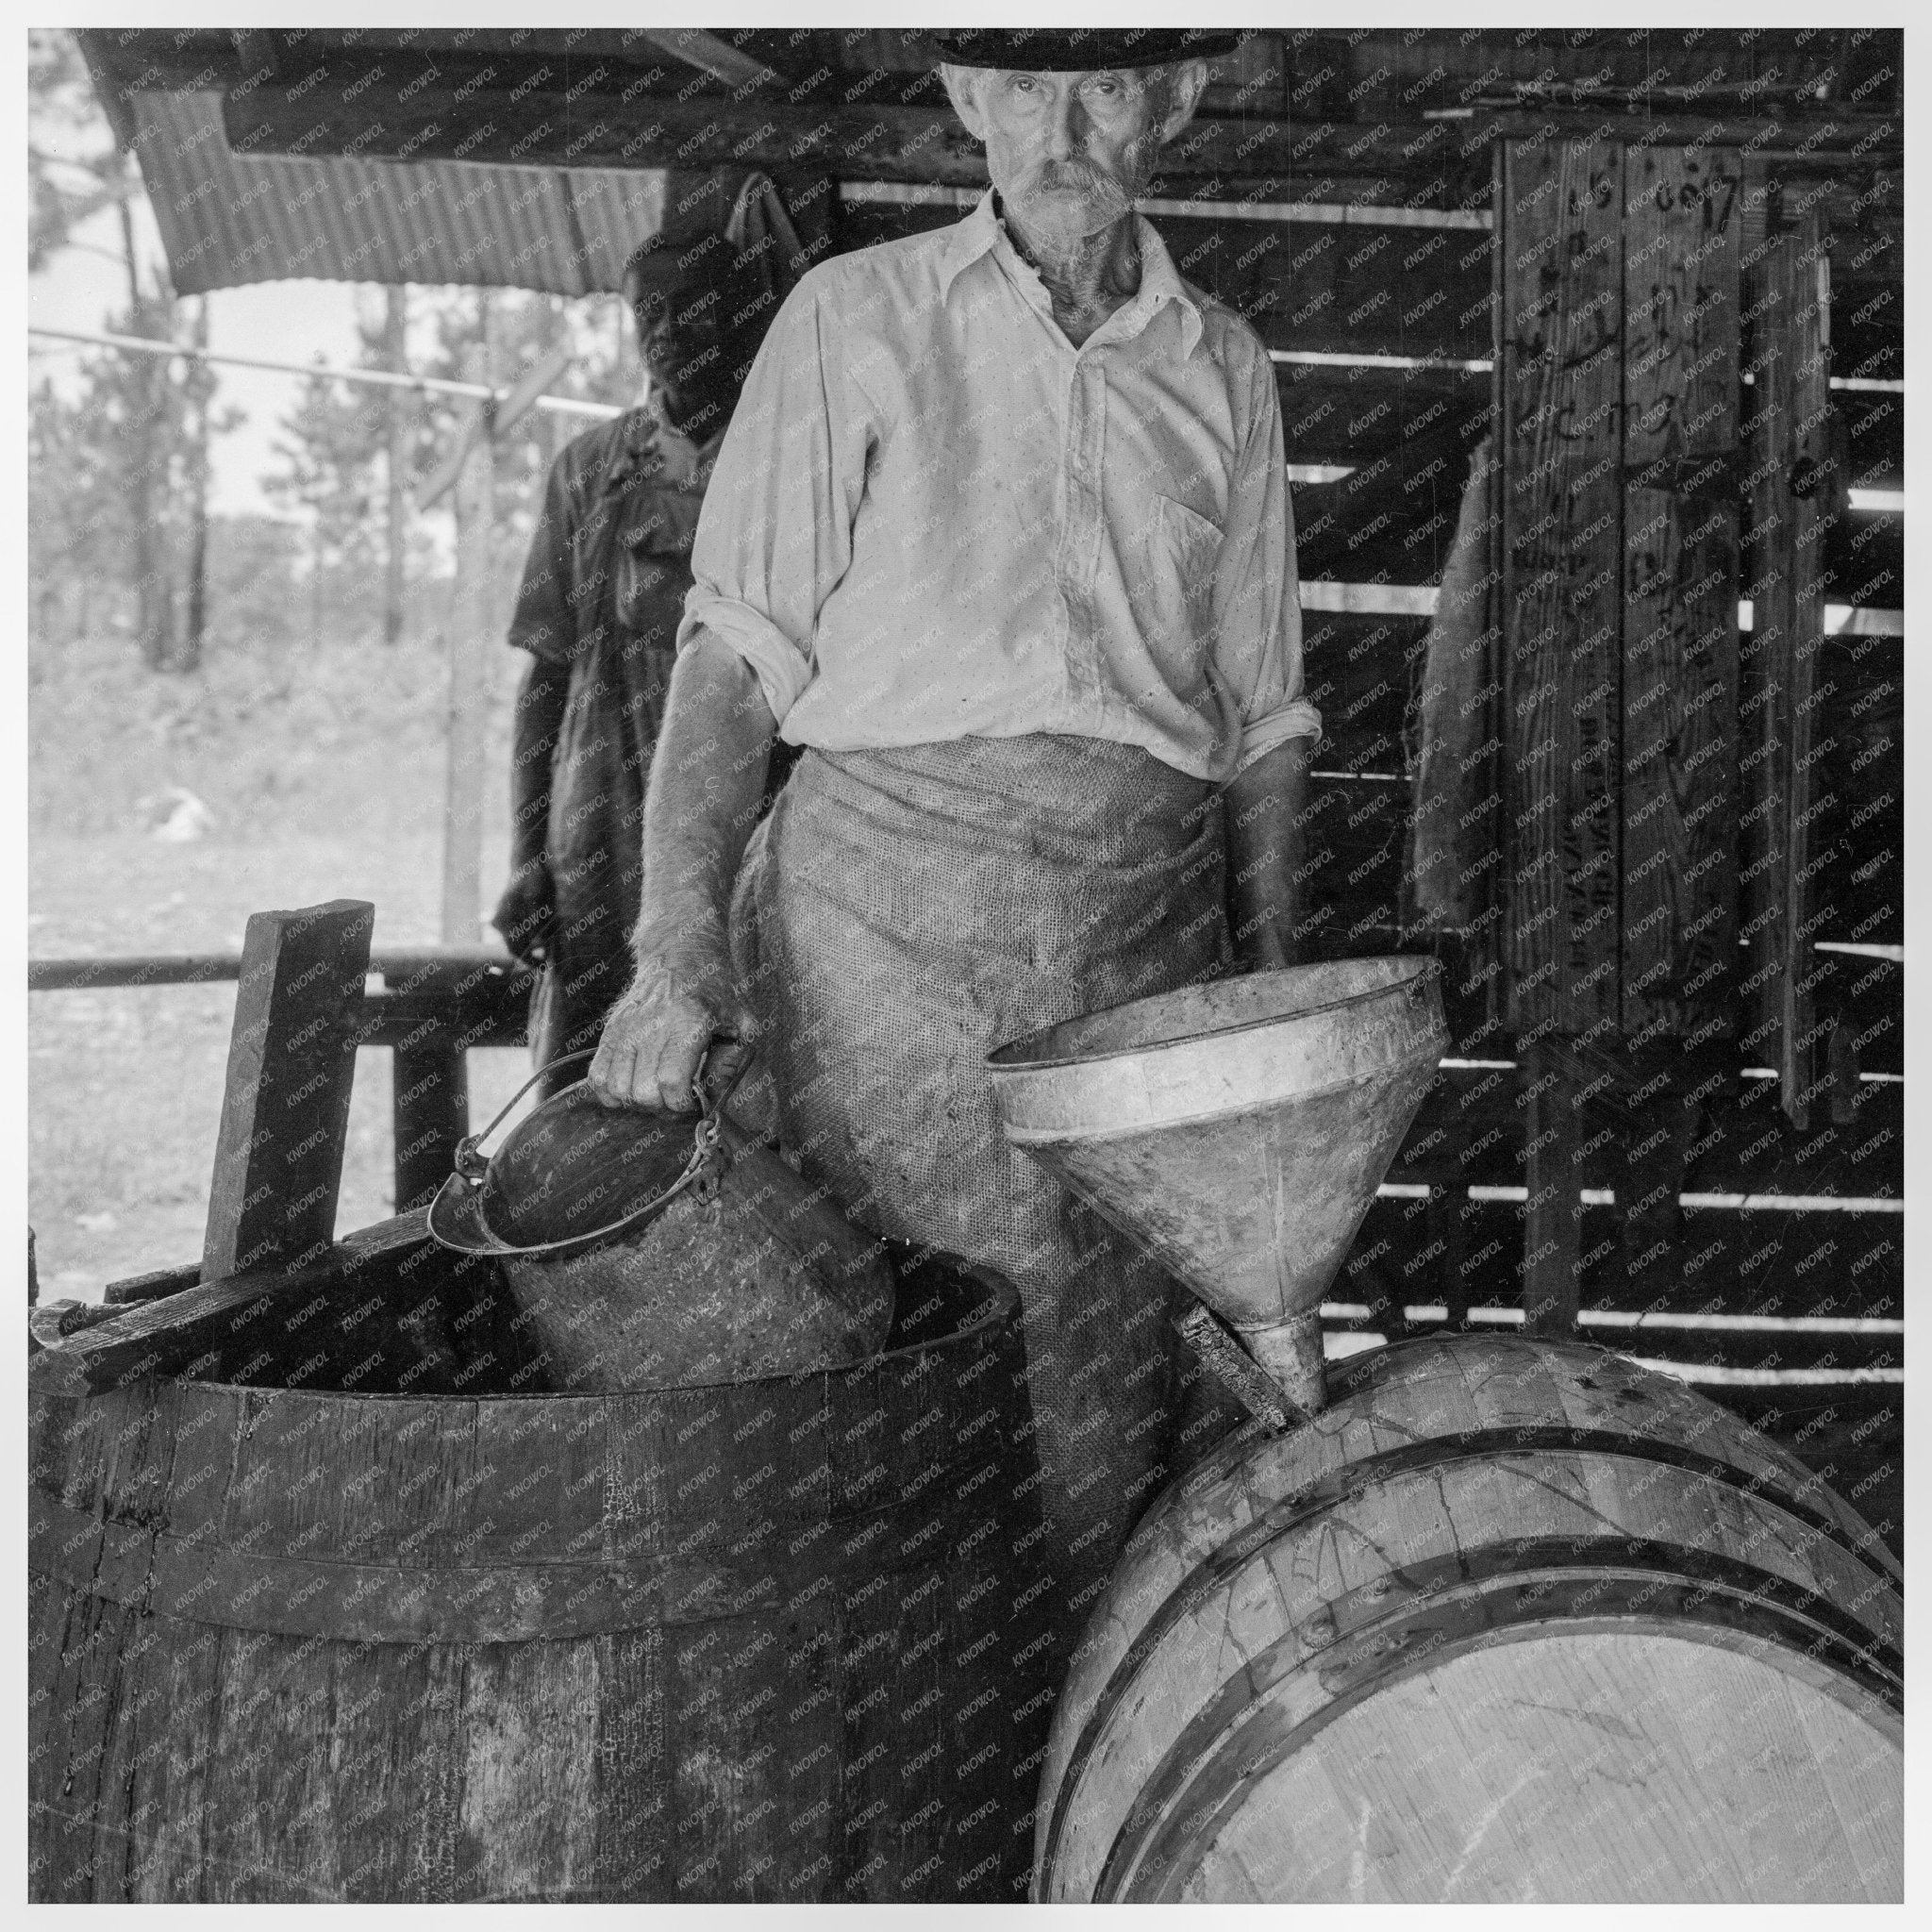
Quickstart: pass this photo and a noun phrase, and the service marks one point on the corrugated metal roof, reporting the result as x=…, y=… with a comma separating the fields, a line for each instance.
x=229, y=217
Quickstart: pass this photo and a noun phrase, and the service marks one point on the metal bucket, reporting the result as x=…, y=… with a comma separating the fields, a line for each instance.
x=1237, y=1131
x=655, y=1251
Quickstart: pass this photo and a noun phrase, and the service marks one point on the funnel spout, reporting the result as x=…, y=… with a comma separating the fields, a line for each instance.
x=1289, y=1353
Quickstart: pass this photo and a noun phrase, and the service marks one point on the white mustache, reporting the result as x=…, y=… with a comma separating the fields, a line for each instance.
x=1076, y=174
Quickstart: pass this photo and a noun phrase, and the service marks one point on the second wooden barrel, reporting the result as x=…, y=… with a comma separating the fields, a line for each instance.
x=420, y=1630
x=1511, y=1620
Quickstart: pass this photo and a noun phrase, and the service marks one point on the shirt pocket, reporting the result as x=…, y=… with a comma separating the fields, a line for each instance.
x=653, y=548
x=1184, y=550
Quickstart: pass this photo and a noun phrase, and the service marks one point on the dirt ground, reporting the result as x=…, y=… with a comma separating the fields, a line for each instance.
x=324, y=781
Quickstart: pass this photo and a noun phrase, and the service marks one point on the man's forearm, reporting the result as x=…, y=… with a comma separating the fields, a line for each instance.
x=708, y=776
x=1264, y=808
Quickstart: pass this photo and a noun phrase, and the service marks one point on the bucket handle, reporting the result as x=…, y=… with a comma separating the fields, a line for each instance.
x=702, y=1172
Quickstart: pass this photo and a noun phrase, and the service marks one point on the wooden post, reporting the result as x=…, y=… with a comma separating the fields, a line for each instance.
x=1552, y=1232
x=1681, y=224
x=1560, y=214
x=285, y=1112
x=395, y=357
x=468, y=646
x=1787, y=298
x=429, y=1112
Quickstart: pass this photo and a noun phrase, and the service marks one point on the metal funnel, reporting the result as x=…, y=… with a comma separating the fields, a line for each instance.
x=1237, y=1131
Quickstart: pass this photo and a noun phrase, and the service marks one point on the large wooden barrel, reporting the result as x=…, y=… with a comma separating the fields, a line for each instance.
x=1511, y=1620
x=751, y=1641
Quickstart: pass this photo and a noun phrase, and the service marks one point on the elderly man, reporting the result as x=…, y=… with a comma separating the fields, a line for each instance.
x=1001, y=535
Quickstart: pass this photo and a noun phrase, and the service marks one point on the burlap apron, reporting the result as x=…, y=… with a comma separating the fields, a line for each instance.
x=901, y=913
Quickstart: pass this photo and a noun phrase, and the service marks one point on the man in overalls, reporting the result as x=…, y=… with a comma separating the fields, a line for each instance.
x=1001, y=535
x=598, y=609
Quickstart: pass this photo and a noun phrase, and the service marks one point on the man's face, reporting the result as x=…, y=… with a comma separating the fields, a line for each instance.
x=676, y=324
x=682, y=337
x=1071, y=151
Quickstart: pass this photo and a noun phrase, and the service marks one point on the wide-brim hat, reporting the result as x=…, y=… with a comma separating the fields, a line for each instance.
x=754, y=242
x=1081, y=50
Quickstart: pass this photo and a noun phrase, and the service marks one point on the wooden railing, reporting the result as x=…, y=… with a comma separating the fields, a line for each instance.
x=427, y=1004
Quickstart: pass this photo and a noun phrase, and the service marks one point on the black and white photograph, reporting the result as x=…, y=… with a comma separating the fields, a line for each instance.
x=966, y=965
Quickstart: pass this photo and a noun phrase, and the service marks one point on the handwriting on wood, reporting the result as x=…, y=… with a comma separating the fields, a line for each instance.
x=1561, y=381
x=1681, y=229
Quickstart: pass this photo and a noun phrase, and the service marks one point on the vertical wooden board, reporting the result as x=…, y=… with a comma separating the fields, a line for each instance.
x=713, y=1713
x=548, y=1473
x=69, y=1443
x=530, y=1772
x=400, y=1712
x=469, y=671
x=894, y=1670
x=1681, y=254
x=285, y=1108
x=430, y=1113
x=1561, y=388
x=632, y=1859
x=1791, y=449
x=388, y=1500
x=639, y=1451
x=170, y=1761
x=1552, y=1233
x=72, y=1645
x=1680, y=764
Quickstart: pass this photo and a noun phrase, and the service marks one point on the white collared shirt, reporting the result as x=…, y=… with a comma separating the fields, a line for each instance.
x=932, y=516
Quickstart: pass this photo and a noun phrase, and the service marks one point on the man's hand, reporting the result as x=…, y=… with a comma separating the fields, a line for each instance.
x=683, y=996
x=526, y=913
x=706, y=780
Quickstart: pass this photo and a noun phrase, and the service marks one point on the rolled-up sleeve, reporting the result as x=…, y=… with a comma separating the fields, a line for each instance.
x=1258, y=612
x=775, y=534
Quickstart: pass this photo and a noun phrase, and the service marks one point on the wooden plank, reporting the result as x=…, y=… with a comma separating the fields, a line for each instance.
x=400, y=107
x=1552, y=1245
x=1560, y=399
x=1735, y=1276
x=1874, y=424
x=430, y=1113
x=1390, y=521
x=1469, y=1132
x=285, y=1110
x=1861, y=782
x=1360, y=672
x=1355, y=414
x=1787, y=303
x=468, y=642
x=163, y=1338
x=410, y=969
x=152, y=1287
x=1378, y=73
x=1680, y=594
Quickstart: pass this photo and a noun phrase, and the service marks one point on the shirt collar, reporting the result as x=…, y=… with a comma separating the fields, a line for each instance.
x=982, y=232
